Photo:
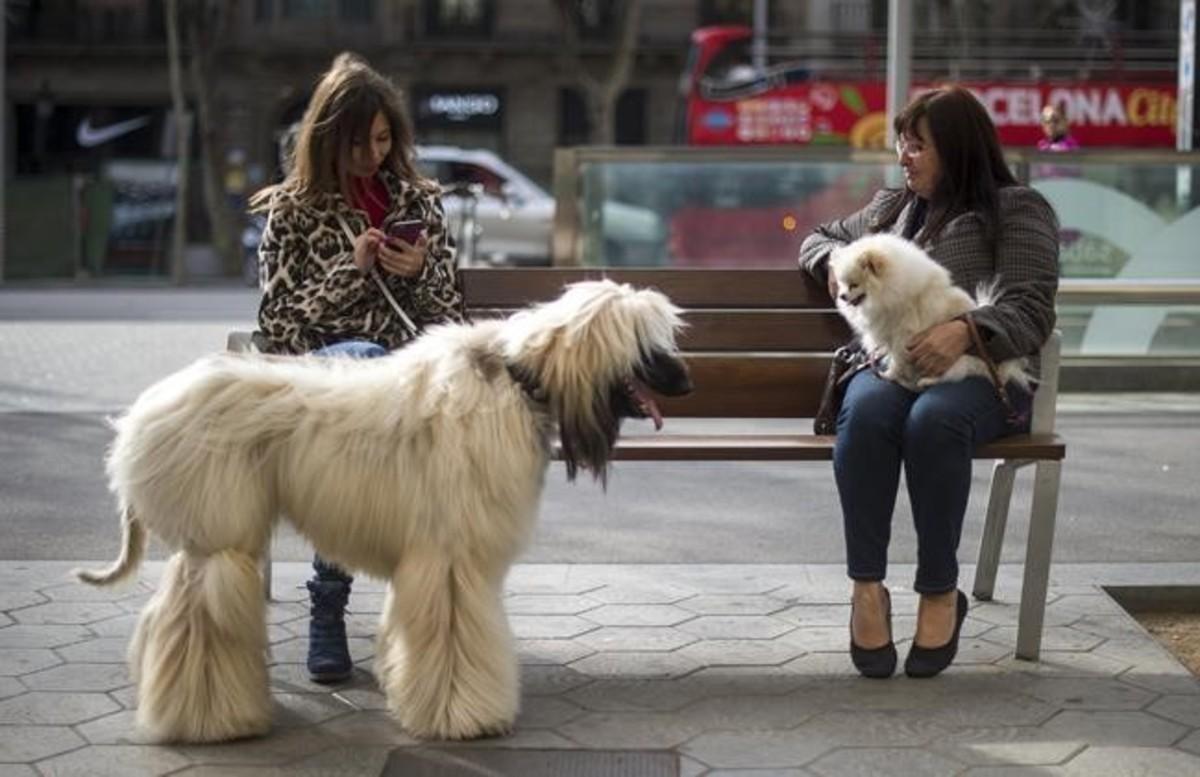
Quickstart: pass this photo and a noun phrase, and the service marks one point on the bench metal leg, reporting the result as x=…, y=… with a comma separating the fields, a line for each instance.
x=993, y=528
x=1046, y=481
x=264, y=566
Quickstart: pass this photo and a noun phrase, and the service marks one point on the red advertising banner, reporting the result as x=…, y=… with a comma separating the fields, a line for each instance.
x=852, y=113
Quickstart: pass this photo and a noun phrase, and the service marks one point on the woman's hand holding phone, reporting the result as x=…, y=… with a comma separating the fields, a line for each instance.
x=403, y=252
x=366, y=247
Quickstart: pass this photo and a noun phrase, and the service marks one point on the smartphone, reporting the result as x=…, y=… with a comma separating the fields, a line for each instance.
x=408, y=231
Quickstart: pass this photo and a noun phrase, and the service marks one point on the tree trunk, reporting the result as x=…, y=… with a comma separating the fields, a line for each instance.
x=182, y=141
x=601, y=96
x=201, y=33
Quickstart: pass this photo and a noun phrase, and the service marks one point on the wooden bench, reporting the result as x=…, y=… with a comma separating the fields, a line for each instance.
x=758, y=343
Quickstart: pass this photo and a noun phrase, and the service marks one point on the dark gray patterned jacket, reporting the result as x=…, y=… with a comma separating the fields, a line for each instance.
x=313, y=294
x=1026, y=262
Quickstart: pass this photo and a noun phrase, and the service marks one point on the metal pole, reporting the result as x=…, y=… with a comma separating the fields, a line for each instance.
x=899, y=61
x=1185, y=104
x=759, y=48
x=1185, y=110
x=3, y=138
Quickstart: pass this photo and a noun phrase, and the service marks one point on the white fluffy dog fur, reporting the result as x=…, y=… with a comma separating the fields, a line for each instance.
x=890, y=290
x=423, y=468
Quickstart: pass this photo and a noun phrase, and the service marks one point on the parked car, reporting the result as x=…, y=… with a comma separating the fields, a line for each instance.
x=515, y=217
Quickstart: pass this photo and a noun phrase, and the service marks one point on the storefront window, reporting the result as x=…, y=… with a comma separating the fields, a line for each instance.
x=455, y=18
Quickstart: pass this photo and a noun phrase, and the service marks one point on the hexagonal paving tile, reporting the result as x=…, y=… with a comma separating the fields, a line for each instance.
x=19, y=636
x=1130, y=729
x=370, y=727
x=1001, y=709
x=631, y=730
x=550, y=680
x=1089, y=694
x=79, y=592
x=1012, y=745
x=755, y=749
x=115, y=760
x=33, y=743
x=10, y=686
x=1115, y=761
x=119, y=728
x=294, y=710
x=884, y=760
x=549, y=626
x=1053, y=638
x=819, y=638
x=736, y=627
x=1190, y=743
x=18, y=661
x=634, y=694
x=551, y=651
x=751, y=713
x=102, y=650
x=54, y=709
x=15, y=599
x=1182, y=709
x=546, y=604
x=733, y=604
x=816, y=615
x=79, y=677
x=66, y=613
x=636, y=638
x=547, y=712
x=741, y=652
x=641, y=593
x=638, y=615
x=636, y=665
x=868, y=728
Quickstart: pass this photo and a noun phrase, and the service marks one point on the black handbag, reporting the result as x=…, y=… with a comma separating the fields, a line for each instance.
x=847, y=362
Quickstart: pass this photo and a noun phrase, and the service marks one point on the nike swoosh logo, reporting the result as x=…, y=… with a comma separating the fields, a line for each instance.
x=89, y=136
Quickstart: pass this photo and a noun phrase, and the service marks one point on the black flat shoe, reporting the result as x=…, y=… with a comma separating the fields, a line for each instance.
x=876, y=663
x=927, y=662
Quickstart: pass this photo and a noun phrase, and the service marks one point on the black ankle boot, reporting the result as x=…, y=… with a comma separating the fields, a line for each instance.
x=927, y=662
x=876, y=663
x=328, y=655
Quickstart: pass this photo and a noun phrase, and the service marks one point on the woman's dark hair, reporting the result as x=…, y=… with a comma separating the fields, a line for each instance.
x=339, y=115
x=973, y=169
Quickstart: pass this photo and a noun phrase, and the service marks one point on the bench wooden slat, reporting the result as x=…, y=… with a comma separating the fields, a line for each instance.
x=800, y=447
x=731, y=330
x=514, y=287
x=751, y=385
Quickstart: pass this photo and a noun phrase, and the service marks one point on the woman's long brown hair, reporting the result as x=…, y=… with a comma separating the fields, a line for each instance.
x=973, y=169
x=339, y=117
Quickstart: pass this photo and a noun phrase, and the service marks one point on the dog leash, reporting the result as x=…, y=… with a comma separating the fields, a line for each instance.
x=413, y=329
x=1013, y=416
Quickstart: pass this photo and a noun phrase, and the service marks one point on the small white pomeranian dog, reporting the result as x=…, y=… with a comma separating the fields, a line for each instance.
x=890, y=290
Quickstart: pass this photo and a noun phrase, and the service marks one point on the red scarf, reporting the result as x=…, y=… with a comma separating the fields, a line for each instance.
x=371, y=195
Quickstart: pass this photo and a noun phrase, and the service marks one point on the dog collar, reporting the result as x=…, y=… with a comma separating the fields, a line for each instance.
x=528, y=383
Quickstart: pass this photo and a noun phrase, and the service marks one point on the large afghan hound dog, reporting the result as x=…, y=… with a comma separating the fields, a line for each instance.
x=423, y=468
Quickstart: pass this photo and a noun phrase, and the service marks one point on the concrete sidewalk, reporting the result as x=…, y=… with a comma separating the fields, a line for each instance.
x=716, y=670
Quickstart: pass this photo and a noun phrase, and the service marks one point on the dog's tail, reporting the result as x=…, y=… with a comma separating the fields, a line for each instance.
x=133, y=548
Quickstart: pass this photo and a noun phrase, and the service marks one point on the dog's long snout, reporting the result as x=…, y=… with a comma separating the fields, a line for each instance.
x=667, y=375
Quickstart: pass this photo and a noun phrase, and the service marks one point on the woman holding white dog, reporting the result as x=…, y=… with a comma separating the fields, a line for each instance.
x=355, y=261
x=963, y=206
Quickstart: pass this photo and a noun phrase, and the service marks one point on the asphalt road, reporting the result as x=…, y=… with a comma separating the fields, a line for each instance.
x=71, y=357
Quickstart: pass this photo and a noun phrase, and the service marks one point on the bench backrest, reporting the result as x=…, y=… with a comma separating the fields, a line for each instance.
x=758, y=341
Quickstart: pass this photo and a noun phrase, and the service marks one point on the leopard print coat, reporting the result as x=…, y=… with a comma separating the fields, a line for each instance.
x=313, y=294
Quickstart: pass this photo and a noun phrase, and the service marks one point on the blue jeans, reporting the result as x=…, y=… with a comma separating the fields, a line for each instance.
x=352, y=349
x=883, y=425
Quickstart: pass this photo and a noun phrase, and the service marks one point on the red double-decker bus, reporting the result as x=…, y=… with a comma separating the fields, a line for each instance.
x=806, y=98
